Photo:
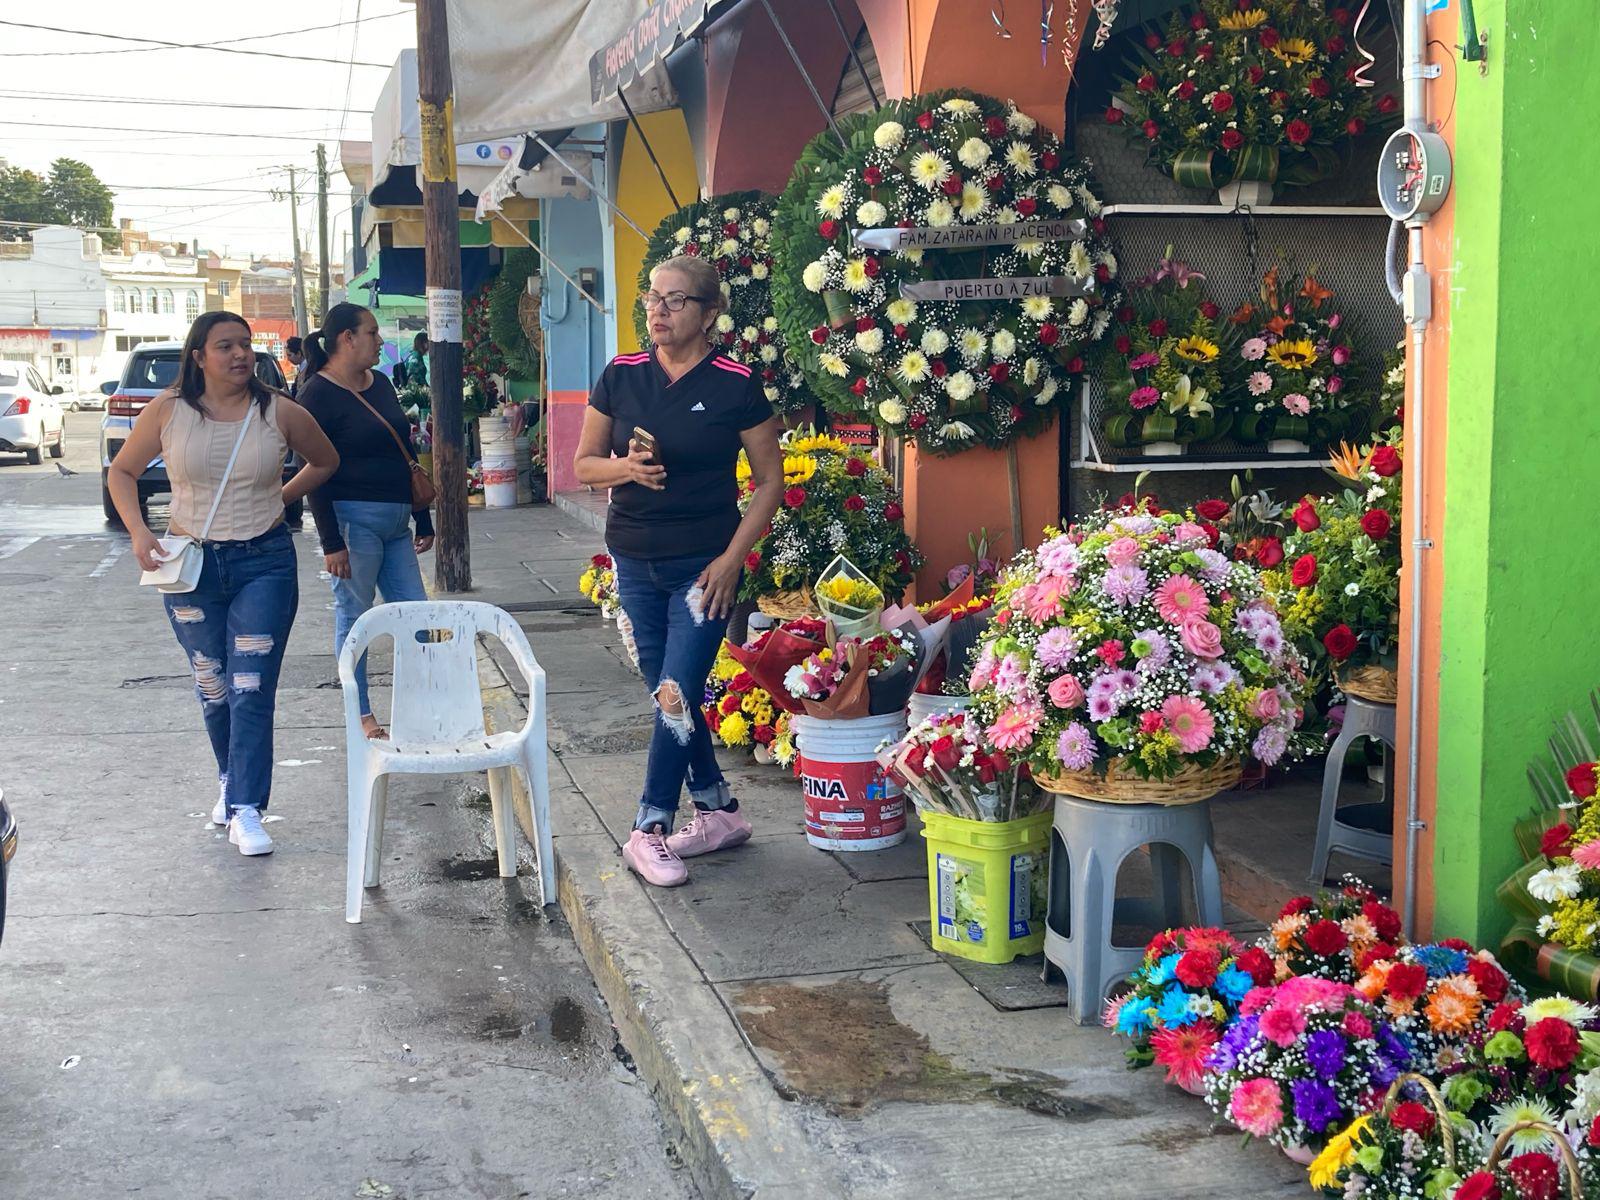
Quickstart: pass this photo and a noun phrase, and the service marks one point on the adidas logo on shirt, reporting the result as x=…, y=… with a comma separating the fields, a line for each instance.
x=698, y=407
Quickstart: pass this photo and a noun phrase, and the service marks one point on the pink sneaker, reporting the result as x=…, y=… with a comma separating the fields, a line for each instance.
x=716, y=829
x=649, y=857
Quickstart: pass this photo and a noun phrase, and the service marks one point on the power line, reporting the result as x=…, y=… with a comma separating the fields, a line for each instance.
x=349, y=78
x=293, y=136
x=124, y=101
x=160, y=44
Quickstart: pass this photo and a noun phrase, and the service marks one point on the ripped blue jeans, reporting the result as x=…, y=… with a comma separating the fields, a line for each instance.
x=677, y=646
x=234, y=627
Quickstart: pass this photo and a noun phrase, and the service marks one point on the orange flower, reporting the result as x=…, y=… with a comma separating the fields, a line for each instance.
x=1286, y=930
x=1243, y=314
x=1454, y=1005
x=1315, y=292
x=1371, y=984
x=1347, y=462
x=1278, y=324
x=1362, y=934
x=1398, y=1008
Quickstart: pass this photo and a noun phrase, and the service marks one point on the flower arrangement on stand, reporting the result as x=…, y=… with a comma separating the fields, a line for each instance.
x=1299, y=364
x=1185, y=993
x=1162, y=365
x=742, y=714
x=835, y=502
x=1126, y=650
x=733, y=232
x=1245, y=95
x=920, y=193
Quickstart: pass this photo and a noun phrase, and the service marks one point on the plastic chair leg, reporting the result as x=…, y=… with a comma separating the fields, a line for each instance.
x=359, y=801
x=1093, y=896
x=536, y=772
x=379, y=811
x=1209, y=884
x=1330, y=803
x=504, y=819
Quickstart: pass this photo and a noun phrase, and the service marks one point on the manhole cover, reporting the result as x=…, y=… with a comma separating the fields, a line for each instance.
x=11, y=577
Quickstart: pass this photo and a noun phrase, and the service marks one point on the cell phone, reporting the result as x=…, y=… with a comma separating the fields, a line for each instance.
x=646, y=440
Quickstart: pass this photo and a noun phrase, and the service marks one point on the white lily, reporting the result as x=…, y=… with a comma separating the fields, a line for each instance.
x=1186, y=398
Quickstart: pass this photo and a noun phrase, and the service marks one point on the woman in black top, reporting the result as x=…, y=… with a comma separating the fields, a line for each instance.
x=679, y=541
x=363, y=513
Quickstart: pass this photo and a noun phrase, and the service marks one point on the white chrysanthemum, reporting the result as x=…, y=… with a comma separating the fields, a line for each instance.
x=725, y=289
x=960, y=386
x=889, y=135
x=1020, y=157
x=929, y=169
x=974, y=153
x=957, y=105
x=748, y=333
x=912, y=254
x=901, y=311
x=770, y=324
x=832, y=364
x=870, y=212
x=815, y=276
x=728, y=249
x=1101, y=322
x=856, y=278
x=869, y=341
x=891, y=412
x=1108, y=260
x=1003, y=344
x=730, y=214
x=831, y=202
x=1048, y=392
x=1078, y=313
x=935, y=341
x=761, y=227
x=724, y=323
x=1079, y=264
x=1520, y=1110
x=1030, y=247
x=769, y=353
x=956, y=431
x=1006, y=216
x=1556, y=883
x=1021, y=122
x=1059, y=195
x=759, y=271
x=913, y=367
x=1091, y=202
x=1037, y=308
x=939, y=214
x=974, y=201
x=682, y=235
x=1568, y=1010
x=973, y=344
x=1031, y=371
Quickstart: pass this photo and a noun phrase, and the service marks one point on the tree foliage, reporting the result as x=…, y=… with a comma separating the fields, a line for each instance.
x=72, y=194
x=505, y=328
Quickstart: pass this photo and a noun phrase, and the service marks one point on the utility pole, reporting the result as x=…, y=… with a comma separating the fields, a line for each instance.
x=452, y=559
x=300, y=323
x=322, y=233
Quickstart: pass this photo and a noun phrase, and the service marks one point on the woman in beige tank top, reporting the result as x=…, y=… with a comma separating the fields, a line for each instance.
x=235, y=625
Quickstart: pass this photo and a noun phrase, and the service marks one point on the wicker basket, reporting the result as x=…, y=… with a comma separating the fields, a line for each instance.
x=1563, y=1147
x=1121, y=786
x=789, y=606
x=1380, y=685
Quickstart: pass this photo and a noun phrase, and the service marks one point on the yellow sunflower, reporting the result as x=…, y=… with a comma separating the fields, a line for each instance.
x=1242, y=22
x=1294, y=355
x=797, y=468
x=1197, y=349
x=1294, y=51
x=817, y=441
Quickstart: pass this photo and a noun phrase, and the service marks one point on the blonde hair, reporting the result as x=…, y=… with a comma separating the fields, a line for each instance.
x=703, y=279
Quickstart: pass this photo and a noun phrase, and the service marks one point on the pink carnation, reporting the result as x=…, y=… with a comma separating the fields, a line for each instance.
x=1357, y=1026
x=1180, y=599
x=1201, y=639
x=1256, y=999
x=1122, y=552
x=1190, y=722
x=1257, y=1107
x=1283, y=1024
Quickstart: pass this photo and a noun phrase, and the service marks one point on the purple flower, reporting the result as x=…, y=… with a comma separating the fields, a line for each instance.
x=1225, y=1054
x=957, y=575
x=1127, y=683
x=1392, y=1044
x=1270, y=744
x=1210, y=679
x=1315, y=1104
x=1137, y=523
x=1159, y=653
x=1270, y=641
x=1057, y=648
x=1325, y=1051
x=1075, y=747
x=1216, y=569
x=1010, y=678
x=1101, y=706
x=1058, y=556
x=1253, y=618
x=1125, y=585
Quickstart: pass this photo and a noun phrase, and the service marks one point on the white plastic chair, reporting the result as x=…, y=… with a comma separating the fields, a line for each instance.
x=437, y=728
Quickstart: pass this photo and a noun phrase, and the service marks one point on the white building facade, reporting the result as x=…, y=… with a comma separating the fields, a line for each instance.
x=53, y=307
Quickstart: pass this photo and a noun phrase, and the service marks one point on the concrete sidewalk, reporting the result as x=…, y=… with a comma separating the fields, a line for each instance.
x=799, y=1033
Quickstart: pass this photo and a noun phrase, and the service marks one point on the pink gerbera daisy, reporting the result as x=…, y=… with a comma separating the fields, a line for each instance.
x=1183, y=1052
x=1587, y=855
x=1190, y=722
x=1014, y=728
x=1257, y=1107
x=1180, y=598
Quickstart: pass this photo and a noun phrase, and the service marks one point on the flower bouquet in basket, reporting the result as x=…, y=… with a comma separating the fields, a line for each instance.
x=1163, y=371
x=1407, y=1150
x=1128, y=660
x=947, y=767
x=1303, y=1060
x=1333, y=935
x=1184, y=994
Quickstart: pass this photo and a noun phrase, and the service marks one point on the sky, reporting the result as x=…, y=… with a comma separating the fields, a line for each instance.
x=208, y=173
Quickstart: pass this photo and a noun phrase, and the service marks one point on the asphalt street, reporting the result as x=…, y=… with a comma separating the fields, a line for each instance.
x=179, y=1021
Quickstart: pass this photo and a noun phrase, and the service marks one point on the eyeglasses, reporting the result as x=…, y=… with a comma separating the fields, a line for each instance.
x=672, y=301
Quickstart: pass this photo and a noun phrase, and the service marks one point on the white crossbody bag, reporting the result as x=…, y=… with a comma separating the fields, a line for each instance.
x=181, y=559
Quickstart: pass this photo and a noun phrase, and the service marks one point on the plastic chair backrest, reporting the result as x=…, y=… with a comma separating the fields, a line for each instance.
x=437, y=697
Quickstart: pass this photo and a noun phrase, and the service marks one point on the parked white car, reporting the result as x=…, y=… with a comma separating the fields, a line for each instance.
x=30, y=415
x=93, y=399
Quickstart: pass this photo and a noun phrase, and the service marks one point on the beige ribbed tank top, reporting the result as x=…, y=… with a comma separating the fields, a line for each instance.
x=196, y=450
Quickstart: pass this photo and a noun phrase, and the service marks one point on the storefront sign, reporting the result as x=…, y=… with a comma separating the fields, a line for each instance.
x=628, y=56
x=960, y=237
x=957, y=291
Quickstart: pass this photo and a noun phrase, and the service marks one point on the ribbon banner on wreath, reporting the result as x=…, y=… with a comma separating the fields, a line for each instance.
x=946, y=270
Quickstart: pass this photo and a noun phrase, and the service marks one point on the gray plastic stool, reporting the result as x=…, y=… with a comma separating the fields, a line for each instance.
x=1088, y=842
x=1359, y=829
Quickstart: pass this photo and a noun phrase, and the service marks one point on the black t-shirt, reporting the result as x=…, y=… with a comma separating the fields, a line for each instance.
x=370, y=464
x=696, y=422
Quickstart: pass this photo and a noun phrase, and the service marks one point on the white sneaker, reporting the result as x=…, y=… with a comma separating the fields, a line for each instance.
x=245, y=832
x=219, y=810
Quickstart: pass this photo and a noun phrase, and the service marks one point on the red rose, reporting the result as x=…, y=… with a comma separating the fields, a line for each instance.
x=1325, y=938
x=999, y=372
x=1113, y=117
x=1455, y=943
x=1122, y=343
x=1212, y=510
x=1158, y=328
x=1304, y=571
x=764, y=735
x=1027, y=206
x=600, y=560
x=1185, y=89
x=1151, y=130
x=752, y=560
x=1319, y=87
x=1232, y=139
x=1536, y=1176
x=854, y=504
x=828, y=229
x=1210, y=311
x=1418, y=1118
x=995, y=182
x=1305, y=517
x=1383, y=918
x=1257, y=74
x=1385, y=461
x=854, y=466
x=1213, y=534
x=871, y=266
x=1075, y=363
x=1048, y=333
x=900, y=331
x=892, y=511
x=1206, y=52
x=1152, y=41
x=1049, y=160
x=863, y=324
x=939, y=368
x=1271, y=552
x=742, y=682
x=1480, y=1185
x=1407, y=981
x=729, y=705
x=1340, y=642
x=1177, y=48
x=952, y=186
x=1556, y=841
x=1335, y=46
x=1016, y=414
x=1257, y=963
x=819, y=335
x=1387, y=104
x=1125, y=314
x=872, y=176
x=1355, y=126
x=1298, y=132
x=1581, y=781
x=1198, y=968
x=1375, y=953
x=1551, y=1043
x=925, y=121
x=795, y=497
x=1146, y=83
x=1491, y=980
x=1341, y=16
x=1376, y=523
x=859, y=387
x=1506, y=1015
x=1269, y=37
x=1222, y=102
x=1197, y=22
x=945, y=753
x=995, y=127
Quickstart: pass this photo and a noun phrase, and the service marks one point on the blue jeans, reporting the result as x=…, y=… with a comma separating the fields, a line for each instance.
x=675, y=647
x=383, y=559
x=234, y=627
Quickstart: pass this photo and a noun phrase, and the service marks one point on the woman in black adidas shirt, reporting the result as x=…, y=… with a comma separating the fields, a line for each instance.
x=678, y=540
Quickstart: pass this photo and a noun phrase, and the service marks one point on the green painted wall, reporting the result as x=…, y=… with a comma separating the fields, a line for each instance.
x=1521, y=542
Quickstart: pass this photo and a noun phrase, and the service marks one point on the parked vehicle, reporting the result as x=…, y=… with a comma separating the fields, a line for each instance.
x=31, y=420
x=93, y=399
x=8, y=848
x=152, y=368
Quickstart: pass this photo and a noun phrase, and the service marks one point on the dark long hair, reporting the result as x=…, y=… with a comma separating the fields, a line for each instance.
x=192, y=380
x=319, y=345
